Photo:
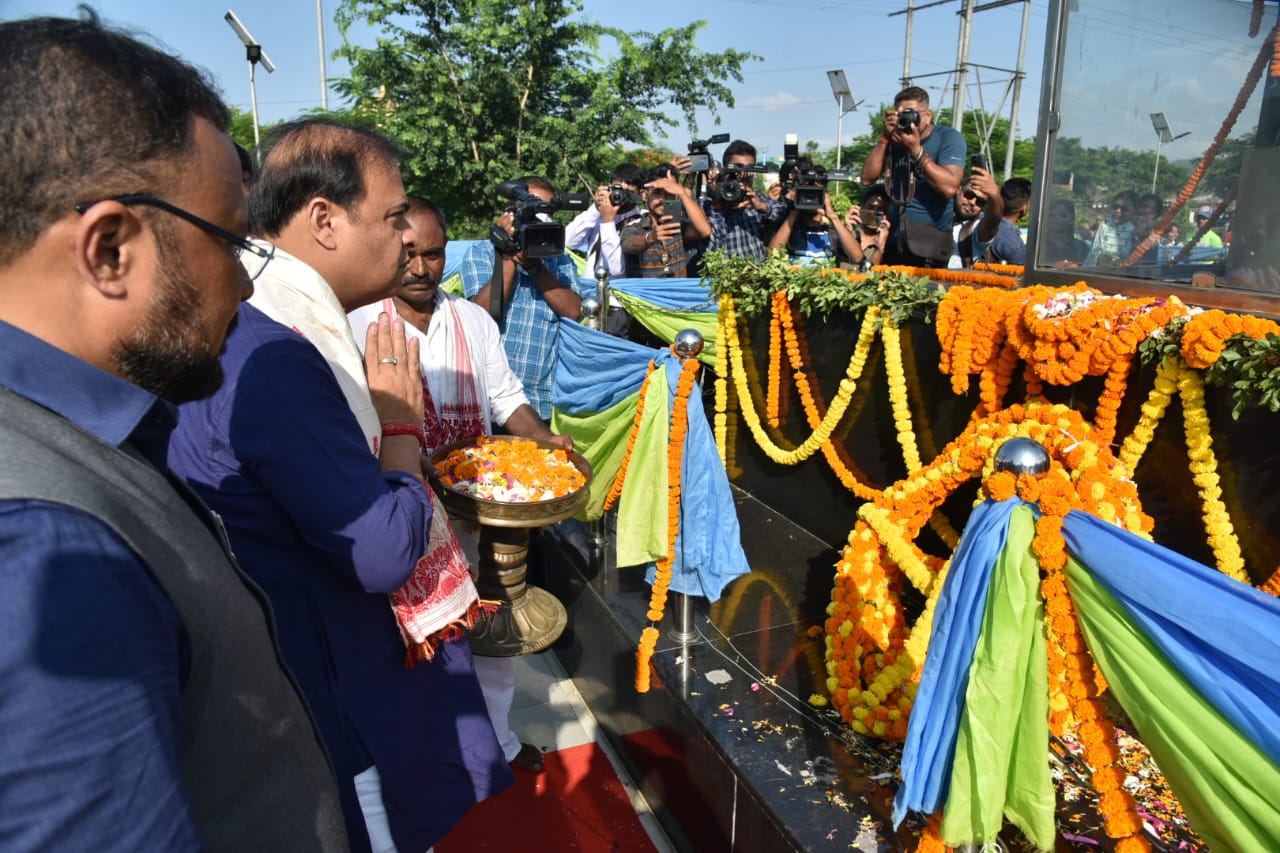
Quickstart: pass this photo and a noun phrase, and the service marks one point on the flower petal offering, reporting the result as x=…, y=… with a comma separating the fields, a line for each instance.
x=510, y=471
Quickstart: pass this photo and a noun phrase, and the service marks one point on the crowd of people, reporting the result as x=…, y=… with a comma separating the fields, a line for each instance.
x=236, y=613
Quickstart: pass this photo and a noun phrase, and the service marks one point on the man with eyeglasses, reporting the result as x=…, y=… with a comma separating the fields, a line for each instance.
x=145, y=704
x=311, y=452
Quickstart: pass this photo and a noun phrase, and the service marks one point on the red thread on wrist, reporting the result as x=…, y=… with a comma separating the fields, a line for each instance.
x=405, y=429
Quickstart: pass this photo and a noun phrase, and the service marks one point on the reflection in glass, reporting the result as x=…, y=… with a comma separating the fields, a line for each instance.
x=1165, y=164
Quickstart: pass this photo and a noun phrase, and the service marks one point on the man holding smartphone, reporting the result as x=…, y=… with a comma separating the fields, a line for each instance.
x=654, y=244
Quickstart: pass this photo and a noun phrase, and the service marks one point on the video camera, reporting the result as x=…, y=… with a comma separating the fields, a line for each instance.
x=537, y=235
x=699, y=156
x=731, y=186
x=811, y=186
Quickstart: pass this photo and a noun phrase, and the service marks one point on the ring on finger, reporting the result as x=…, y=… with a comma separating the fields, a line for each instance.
x=388, y=361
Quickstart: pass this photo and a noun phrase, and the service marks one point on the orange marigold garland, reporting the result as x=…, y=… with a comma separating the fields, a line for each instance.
x=811, y=399
x=1206, y=334
x=615, y=488
x=662, y=573
x=1268, y=51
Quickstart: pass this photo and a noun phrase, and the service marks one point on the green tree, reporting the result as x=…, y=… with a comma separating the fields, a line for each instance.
x=480, y=91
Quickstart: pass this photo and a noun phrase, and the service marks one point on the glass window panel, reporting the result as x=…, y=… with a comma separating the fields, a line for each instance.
x=1148, y=89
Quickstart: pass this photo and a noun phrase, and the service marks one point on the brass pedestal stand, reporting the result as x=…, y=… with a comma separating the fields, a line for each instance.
x=528, y=618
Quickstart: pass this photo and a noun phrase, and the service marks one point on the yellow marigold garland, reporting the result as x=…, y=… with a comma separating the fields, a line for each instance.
x=811, y=395
x=898, y=396
x=1204, y=473
x=746, y=402
x=662, y=574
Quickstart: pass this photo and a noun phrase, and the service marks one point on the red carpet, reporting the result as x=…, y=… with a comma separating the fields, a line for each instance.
x=575, y=804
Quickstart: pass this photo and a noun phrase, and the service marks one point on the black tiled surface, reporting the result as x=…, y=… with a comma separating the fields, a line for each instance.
x=725, y=746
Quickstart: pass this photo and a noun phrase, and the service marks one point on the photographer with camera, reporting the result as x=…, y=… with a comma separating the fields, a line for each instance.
x=736, y=210
x=653, y=243
x=871, y=222
x=811, y=231
x=924, y=165
x=527, y=283
x=594, y=232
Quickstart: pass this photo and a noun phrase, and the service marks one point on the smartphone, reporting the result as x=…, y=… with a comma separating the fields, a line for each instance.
x=977, y=161
x=673, y=208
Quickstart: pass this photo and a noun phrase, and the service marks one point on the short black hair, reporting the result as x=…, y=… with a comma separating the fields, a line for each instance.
x=88, y=113
x=310, y=158
x=529, y=181
x=627, y=173
x=662, y=170
x=876, y=191
x=246, y=160
x=1016, y=193
x=417, y=202
x=912, y=93
x=738, y=147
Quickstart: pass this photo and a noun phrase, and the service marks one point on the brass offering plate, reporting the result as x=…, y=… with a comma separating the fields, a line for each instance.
x=502, y=514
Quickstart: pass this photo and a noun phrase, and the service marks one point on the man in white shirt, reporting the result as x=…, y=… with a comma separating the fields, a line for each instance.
x=468, y=385
x=594, y=232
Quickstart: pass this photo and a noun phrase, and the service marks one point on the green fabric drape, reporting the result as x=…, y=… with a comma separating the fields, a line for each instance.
x=602, y=438
x=666, y=324
x=1001, y=766
x=1225, y=785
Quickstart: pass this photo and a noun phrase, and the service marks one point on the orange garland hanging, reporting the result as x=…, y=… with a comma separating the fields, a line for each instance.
x=1269, y=51
x=814, y=406
x=662, y=574
x=958, y=276
x=615, y=488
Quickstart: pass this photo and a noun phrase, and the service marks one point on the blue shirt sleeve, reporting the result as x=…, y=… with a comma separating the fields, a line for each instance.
x=953, y=149
x=311, y=455
x=477, y=267
x=91, y=663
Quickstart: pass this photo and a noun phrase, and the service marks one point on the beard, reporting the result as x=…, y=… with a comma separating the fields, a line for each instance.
x=166, y=355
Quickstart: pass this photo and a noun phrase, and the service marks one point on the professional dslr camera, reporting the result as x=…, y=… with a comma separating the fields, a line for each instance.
x=699, y=156
x=537, y=235
x=908, y=119
x=731, y=186
x=620, y=196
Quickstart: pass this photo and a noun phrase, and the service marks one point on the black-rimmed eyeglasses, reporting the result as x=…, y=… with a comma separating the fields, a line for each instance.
x=252, y=257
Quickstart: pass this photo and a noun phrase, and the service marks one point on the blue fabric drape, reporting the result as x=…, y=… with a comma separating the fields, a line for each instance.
x=673, y=294
x=596, y=371
x=1221, y=635
x=930, y=746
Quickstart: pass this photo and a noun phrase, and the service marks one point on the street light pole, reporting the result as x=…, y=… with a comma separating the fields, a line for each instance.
x=844, y=104
x=1164, y=134
x=324, y=80
x=255, y=55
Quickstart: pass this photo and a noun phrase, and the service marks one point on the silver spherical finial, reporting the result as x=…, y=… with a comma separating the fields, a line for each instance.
x=1022, y=456
x=689, y=343
x=590, y=307
x=602, y=271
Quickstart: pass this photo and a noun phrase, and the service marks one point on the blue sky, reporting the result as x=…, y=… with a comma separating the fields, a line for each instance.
x=786, y=92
